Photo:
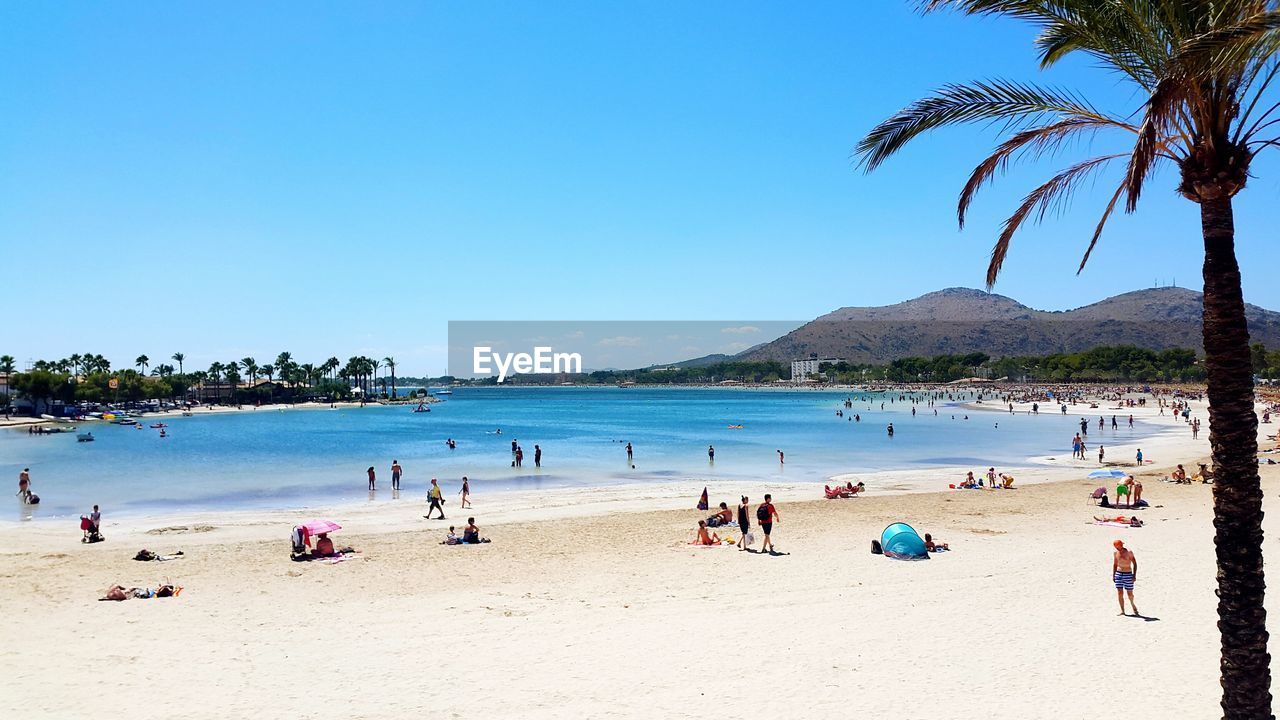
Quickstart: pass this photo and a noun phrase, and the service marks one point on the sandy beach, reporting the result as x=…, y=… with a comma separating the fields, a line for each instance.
x=591, y=603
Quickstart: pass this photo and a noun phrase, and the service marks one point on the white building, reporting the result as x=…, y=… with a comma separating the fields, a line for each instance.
x=801, y=369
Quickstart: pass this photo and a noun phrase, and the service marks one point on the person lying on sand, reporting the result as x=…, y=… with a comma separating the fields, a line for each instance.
x=932, y=546
x=119, y=592
x=705, y=537
x=1134, y=521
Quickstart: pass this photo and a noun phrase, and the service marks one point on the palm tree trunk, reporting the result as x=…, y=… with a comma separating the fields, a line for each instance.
x=1237, y=489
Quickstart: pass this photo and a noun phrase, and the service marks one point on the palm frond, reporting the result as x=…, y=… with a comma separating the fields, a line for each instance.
x=1056, y=193
x=1162, y=111
x=1014, y=102
x=1035, y=141
x=1097, y=232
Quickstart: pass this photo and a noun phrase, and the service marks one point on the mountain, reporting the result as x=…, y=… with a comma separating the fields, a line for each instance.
x=963, y=320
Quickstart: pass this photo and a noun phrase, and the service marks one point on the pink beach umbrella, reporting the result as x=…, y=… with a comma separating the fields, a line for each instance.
x=315, y=527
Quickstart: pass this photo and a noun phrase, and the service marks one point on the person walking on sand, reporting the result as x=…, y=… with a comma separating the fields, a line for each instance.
x=537, y=456
x=1139, y=457
x=465, y=492
x=1124, y=571
x=395, y=474
x=372, y=478
x=436, y=498
x=766, y=515
x=744, y=522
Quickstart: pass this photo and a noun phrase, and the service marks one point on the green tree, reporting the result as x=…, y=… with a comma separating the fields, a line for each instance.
x=1258, y=357
x=1201, y=71
x=391, y=367
x=142, y=363
x=178, y=358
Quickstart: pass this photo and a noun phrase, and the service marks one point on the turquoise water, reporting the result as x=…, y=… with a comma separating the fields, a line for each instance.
x=296, y=457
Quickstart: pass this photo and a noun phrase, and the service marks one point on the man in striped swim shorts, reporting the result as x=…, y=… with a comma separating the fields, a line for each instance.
x=1124, y=570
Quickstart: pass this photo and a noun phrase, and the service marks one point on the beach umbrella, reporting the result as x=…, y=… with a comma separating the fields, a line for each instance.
x=703, y=502
x=315, y=527
x=1108, y=475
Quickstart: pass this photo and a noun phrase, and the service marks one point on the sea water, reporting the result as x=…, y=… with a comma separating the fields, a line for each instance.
x=268, y=458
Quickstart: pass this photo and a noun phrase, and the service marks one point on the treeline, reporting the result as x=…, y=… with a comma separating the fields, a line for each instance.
x=1101, y=364
x=1266, y=363
x=90, y=378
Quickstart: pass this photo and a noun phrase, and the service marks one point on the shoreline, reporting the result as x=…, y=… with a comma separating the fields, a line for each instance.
x=1164, y=449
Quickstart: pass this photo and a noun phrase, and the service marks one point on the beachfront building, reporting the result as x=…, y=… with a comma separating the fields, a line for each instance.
x=802, y=369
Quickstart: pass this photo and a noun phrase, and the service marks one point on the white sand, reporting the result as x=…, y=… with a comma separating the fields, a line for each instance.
x=591, y=604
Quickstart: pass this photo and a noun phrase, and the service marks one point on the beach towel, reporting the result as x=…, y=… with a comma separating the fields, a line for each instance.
x=342, y=557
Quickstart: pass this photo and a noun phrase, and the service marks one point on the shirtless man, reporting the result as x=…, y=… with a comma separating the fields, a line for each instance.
x=1124, y=570
x=24, y=483
x=395, y=474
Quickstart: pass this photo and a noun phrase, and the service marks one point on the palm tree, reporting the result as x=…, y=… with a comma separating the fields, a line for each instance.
x=142, y=362
x=7, y=367
x=1202, y=71
x=373, y=371
x=75, y=363
x=215, y=376
x=391, y=365
x=233, y=380
x=178, y=358
x=251, y=367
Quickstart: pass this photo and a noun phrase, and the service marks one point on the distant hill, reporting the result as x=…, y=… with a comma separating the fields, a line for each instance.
x=963, y=320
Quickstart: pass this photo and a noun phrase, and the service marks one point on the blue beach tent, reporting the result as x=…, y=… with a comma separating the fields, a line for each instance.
x=901, y=542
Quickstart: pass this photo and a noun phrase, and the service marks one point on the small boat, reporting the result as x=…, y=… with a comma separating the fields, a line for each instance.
x=187, y=413
x=446, y=391
x=84, y=437
x=158, y=426
x=735, y=427
x=124, y=420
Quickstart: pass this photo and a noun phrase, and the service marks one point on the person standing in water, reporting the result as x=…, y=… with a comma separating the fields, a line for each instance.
x=465, y=492
x=537, y=456
x=711, y=453
x=372, y=478
x=782, y=458
x=395, y=474
x=629, y=456
x=1124, y=571
x=24, y=484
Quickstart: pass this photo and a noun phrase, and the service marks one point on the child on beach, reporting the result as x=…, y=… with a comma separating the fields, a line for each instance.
x=704, y=536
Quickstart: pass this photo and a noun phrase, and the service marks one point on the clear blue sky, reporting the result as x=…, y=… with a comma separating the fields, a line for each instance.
x=339, y=178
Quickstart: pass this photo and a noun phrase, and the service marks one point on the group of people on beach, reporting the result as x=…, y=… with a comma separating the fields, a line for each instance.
x=766, y=514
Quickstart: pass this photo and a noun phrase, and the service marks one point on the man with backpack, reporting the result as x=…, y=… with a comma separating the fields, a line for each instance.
x=766, y=514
